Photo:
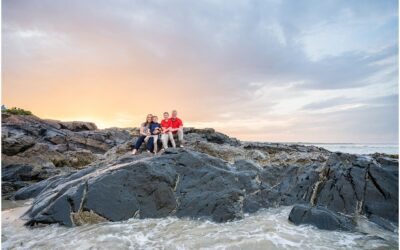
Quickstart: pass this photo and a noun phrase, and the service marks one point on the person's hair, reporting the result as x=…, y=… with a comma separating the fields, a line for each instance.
x=166, y=113
x=146, y=122
x=154, y=116
x=174, y=111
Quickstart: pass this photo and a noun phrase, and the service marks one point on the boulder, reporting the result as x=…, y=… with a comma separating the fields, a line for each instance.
x=9, y=187
x=17, y=172
x=320, y=217
x=75, y=126
x=220, y=138
x=358, y=184
x=187, y=183
x=78, y=126
x=48, y=146
x=181, y=182
x=18, y=144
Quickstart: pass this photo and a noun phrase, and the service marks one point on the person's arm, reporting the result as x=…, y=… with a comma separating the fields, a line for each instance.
x=156, y=131
x=141, y=131
x=176, y=129
x=168, y=127
x=180, y=127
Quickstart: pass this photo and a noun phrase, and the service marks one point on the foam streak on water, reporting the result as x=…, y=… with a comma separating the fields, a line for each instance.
x=267, y=229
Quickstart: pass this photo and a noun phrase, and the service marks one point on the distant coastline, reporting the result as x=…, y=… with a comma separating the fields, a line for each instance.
x=349, y=147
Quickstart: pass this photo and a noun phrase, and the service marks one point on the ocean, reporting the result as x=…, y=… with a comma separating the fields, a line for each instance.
x=357, y=148
x=266, y=229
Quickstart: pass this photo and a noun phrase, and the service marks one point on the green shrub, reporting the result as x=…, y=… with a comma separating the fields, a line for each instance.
x=17, y=111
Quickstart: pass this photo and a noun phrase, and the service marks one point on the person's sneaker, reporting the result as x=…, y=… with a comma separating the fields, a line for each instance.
x=134, y=151
x=148, y=151
x=181, y=146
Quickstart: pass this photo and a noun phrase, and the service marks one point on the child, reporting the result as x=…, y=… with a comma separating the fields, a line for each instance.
x=166, y=135
x=155, y=131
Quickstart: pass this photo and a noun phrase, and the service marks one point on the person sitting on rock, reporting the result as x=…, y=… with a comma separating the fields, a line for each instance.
x=166, y=135
x=155, y=131
x=144, y=133
x=177, y=127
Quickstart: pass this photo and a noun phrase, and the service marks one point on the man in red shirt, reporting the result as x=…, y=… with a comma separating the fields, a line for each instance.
x=166, y=125
x=177, y=127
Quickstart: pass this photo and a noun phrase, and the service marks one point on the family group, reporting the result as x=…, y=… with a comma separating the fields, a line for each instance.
x=167, y=131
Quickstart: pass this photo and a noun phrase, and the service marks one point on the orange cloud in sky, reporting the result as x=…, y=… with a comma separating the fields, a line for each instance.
x=241, y=68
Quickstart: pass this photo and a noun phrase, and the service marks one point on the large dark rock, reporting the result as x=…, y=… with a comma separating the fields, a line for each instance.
x=210, y=135
x=181, y=182
x=14, y=145
x=17, y=172
x=220, y=138
x=357, y=184
x=9, y=187
x=45, y=148
x=75, y=126
x=186, y=183
x=320, y=217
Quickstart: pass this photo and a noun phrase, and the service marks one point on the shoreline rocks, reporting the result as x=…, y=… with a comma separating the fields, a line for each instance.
x=186, y=183
x=354, y=184
x=181, y=182
x=49, y=147
x=86, y=175
x=320, y=217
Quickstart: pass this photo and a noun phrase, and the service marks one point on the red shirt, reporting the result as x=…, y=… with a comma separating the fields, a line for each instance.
x=166, y=123
x=176, y=123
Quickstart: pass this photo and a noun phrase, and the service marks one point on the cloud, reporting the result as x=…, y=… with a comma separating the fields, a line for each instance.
x=217, y=62
x=328, y=103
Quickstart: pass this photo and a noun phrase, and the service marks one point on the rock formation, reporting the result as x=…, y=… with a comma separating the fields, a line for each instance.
x=34, y=149
x=88, y=175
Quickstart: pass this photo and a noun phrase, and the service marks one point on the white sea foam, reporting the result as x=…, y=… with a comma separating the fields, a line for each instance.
x=267, y=229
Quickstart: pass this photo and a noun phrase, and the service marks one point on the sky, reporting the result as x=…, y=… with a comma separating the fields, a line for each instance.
x=270, y=70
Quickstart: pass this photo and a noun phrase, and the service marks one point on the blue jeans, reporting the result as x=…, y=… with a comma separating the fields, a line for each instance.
x=139, y=142
x=150, y=144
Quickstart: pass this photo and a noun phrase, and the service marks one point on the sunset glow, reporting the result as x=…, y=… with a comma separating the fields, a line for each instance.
x=327, y=74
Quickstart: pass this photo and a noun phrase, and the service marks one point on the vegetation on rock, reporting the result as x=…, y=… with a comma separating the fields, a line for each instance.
x=17, y=111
